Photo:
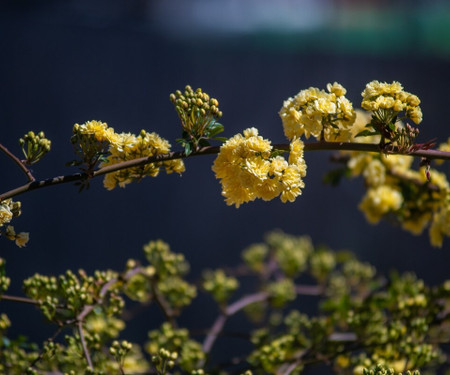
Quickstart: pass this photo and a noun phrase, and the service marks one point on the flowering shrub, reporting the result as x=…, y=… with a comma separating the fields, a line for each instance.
x=366, y=323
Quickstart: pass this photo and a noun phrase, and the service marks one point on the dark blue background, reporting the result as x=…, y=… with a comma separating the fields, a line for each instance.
x=68, y=62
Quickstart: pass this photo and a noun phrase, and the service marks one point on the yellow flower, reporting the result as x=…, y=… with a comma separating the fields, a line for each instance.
x=440, y=226
x=417, y=223
x=375, y=173
x=10, y=233
x=443, y=147
x=337, y=89
x=379, y=201
x=5, y=213
x=248, y=171
x=22, y=239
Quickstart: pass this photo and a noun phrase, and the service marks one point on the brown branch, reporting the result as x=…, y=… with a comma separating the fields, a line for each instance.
x=83, y=344
x=222, y=318
x=241, y=303
x=19, y=162
x=30, y=301
x=314, y=146
x=162, y=304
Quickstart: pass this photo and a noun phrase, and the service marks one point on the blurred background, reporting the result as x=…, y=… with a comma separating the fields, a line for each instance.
x=117, y=61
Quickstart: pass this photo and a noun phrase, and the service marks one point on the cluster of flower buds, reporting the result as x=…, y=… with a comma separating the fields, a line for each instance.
x=219, y=285
x=406, y=137
x=198, y=114
x=34, y=146
x=195, y=102
x=4, y=281
x=119, y=350
x=171, y=344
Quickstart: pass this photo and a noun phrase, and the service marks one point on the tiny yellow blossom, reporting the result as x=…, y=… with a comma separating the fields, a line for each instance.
x=5, y=213
x=22, y=239
x=10, y=233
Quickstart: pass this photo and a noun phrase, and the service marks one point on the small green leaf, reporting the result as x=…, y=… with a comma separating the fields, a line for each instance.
x=366, y=133
x=221, y=139
x=203, y=143
x=187, y=149
x=334, y=125
x=276, y=153
x=215, y=129
x=6, y=342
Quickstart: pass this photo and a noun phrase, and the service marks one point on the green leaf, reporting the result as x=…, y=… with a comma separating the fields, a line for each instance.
x=276, y=153
x=6, y=342
x=215, y=129
x=203, y=143
x=221, y=139
x=391, y=126
x=187, y=149
x=366, y=133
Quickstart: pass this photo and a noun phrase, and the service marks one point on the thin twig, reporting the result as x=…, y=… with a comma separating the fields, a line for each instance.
x=19, y=162
x=162, y=304
x=88, y=308
x=315, y=146
x=83, y=344
x=222, y=318
x=30, y=301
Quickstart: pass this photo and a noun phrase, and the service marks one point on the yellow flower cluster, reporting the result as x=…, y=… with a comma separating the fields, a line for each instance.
x=380, y=200
x=96, y=139
x=324, y=115
x=9, y=210
x=248, y=169
x=440, y=225
x=382, y=97
x=443, y=147
x=397, y=191
x=99, y=130
x=128, y=147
